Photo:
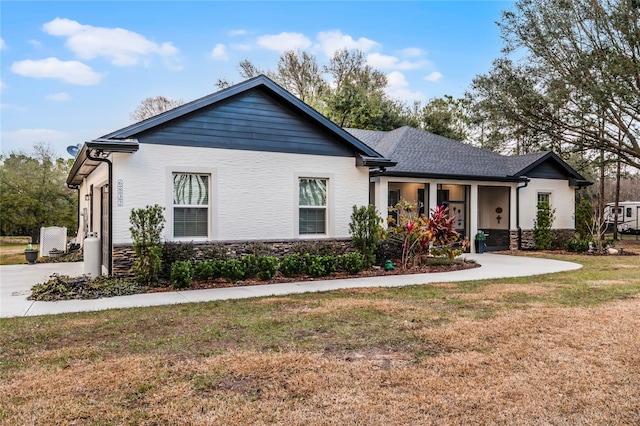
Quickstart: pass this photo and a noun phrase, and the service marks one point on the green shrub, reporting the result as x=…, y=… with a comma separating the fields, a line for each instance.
x=267, y=267
x=330, y=263
x=146, y=232
x=214, y=251
x=351, y=263
x=319, y=266
x=321, y=248
x=291, y=265
x=181, y=274
x=313, y=265
x=584, y=219
x=366, y=231
x=208, y=269
x=577, y=245
x=233, y=270
x=174, y=251
x=250, y=264
x=542, y=234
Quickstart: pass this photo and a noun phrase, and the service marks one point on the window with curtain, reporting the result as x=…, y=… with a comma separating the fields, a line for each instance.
x=190, y=205
x=312, y=203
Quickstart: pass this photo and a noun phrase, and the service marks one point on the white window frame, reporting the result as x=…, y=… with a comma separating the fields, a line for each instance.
x=208, y=207
x=549, y=194
x=326, y=207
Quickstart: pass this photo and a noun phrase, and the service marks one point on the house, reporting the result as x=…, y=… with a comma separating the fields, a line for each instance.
x=254, y=163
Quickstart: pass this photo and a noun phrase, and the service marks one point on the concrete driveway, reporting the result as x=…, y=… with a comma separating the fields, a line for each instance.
x=17, y=280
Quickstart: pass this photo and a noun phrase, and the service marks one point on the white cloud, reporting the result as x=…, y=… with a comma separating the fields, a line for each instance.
x=31, y=136
x=330, y=41
x=284, y=41
x=58, y=97
x=383, y=62
x=121, y=47
x=235, y=33
x=72, y=72
x=2, y=45
x=398, y=88
x=411, y=52
x=434, y=76
x=35, y=43
x=2, y=85
x=219, y=52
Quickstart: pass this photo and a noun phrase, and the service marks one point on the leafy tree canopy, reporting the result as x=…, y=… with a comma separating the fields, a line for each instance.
x=34, y=194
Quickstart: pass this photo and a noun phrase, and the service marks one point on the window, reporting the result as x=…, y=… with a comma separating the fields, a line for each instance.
x=312, y=205
x=629, y=212
x=544, y=198
x=190, y=205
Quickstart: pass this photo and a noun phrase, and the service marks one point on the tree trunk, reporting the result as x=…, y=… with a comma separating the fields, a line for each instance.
x=601, y=228
x=617, y=200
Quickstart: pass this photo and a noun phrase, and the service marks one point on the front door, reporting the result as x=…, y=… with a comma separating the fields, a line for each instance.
x=104, y=228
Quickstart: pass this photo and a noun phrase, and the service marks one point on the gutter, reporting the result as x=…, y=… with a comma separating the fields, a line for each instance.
x=110, y=166
x=518, y=188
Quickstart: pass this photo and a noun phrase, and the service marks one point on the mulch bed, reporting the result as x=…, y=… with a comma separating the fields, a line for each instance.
x=278, y=279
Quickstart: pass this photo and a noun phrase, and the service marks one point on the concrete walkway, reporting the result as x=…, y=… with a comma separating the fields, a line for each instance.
x=16, y=282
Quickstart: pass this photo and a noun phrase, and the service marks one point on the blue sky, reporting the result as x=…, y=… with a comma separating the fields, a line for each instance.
x=73, y=71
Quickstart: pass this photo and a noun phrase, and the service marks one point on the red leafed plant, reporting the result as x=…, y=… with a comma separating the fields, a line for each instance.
x=422, y=236
x=443, y=234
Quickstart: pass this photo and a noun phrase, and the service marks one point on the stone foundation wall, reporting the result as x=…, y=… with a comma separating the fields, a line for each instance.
x=561, y=236
x=124, y=256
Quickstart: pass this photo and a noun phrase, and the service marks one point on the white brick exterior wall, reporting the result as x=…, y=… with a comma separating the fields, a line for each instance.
x=562, y=200
x=253, y=194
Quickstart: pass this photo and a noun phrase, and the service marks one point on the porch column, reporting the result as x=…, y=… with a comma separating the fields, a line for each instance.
x=513, y=217
x=382, y=198
x=473, y=219
x=433, y=196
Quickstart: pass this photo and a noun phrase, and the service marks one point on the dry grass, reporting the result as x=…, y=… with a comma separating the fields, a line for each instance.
x=12, y=250
x=561, y=349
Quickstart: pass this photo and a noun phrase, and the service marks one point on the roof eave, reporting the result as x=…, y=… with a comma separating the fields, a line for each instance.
x=374, y=162
x=392, y=173
x=83, y=166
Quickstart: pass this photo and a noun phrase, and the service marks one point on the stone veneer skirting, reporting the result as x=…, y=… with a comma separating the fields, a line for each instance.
x=123, y=254
x=561, y=236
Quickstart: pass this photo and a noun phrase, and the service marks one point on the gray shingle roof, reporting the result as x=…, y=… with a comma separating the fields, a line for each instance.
x=420, y=153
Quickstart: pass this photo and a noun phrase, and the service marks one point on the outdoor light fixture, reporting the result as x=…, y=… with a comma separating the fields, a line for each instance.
x=87, y=197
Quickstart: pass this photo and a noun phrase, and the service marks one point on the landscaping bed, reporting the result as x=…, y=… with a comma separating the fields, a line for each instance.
x=455, y=265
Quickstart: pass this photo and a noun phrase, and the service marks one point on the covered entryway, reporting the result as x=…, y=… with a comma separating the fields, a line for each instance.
x=494, y=215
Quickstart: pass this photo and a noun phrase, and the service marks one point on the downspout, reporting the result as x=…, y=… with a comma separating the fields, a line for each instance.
x=77, y=188
x=110, y=166
x=518, y=188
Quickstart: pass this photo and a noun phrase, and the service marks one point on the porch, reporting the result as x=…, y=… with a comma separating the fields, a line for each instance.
x=476, y=205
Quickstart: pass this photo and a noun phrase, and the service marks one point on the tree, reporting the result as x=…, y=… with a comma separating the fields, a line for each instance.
x=150, y=107
x=34, y=194
x=446, y=117
x=576, y=79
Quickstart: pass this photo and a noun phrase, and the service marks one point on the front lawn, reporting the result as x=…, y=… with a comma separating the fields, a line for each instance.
x=554, y=349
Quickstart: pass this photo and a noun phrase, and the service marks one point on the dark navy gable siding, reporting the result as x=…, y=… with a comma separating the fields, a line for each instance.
x=548, y=170
x=250, y=121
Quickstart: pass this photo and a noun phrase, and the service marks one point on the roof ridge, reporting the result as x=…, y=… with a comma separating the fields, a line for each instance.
x=405, y=130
